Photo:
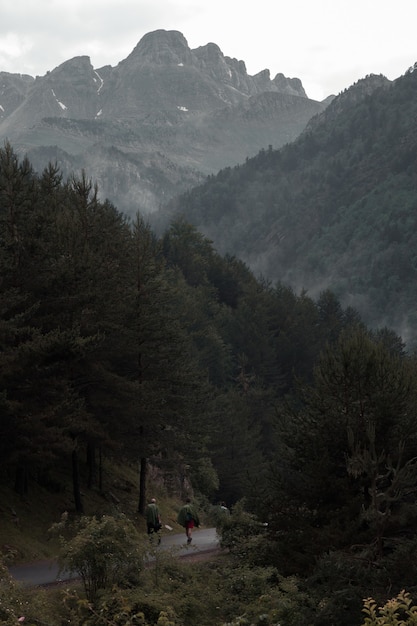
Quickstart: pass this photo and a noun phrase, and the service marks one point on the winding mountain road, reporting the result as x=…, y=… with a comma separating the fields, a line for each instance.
x=47, y=572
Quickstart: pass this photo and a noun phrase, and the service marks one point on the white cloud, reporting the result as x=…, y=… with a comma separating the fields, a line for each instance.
x=328, y=44
x=12, y=48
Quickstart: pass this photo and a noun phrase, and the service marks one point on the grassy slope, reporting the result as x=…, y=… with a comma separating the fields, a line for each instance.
x=24, y=521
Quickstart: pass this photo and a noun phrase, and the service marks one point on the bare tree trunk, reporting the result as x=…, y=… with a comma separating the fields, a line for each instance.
x=142, y=485
x=76, y=483
x=100, y=469
x=91, y=464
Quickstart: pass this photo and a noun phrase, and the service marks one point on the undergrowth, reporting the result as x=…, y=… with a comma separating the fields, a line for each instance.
x=25, y=520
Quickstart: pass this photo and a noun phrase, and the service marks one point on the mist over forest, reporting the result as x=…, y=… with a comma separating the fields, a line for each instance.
x=334, y=209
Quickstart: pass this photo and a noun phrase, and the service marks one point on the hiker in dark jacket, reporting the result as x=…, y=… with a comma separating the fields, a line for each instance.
x=188, y=518
x=153, y=518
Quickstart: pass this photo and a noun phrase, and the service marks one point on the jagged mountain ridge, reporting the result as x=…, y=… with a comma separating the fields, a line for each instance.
x=157, y=123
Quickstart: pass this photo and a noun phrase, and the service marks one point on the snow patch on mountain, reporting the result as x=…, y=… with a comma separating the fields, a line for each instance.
x=61, y=104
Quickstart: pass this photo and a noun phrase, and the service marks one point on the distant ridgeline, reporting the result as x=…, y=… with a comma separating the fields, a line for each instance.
x=334, y=209
x=154, y=125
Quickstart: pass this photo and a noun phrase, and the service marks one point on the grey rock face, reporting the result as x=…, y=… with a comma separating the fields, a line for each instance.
x=154, y=125
x=13, y=90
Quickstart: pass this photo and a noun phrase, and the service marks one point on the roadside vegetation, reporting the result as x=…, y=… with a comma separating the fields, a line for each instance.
x=232, y=588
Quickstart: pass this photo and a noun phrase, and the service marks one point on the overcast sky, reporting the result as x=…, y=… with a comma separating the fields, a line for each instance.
x=327, y=44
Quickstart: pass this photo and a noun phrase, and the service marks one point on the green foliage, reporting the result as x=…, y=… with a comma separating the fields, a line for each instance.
x=116, y=607
x=341, y=579
x=354, y=442
x=204, y=477
x=12, y=605
x=342, y=487
x=243, y=535
x=25, y=606
x=398, y=611
x=207, y=593
x=265, y=596
x=236, y=442
x=103, y=552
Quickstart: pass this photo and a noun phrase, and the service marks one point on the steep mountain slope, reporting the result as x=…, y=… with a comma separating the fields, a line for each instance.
x=13, y=90
x=335, y=209
x=157, y=123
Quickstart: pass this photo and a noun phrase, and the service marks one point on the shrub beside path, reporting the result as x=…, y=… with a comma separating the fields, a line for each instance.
x=205, y=542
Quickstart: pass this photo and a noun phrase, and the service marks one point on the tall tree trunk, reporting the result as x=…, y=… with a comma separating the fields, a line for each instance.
x=91, y=464
x=142, y=485
x=76, y=483
x=100, y=470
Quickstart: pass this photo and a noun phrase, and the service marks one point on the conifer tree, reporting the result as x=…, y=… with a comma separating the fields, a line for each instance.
x=345, y=471
x=169, y=389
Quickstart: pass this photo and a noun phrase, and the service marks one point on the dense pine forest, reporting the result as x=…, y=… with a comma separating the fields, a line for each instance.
x=116, y=343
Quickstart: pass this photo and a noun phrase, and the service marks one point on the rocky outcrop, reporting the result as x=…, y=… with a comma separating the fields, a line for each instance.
x=162, y=47
x=13, y=91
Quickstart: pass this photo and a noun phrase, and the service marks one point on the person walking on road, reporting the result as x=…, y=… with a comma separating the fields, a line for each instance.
x=188, y=518
x=153, y=519
x=223, y=508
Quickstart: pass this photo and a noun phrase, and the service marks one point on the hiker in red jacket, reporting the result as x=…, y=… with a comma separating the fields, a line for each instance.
x=188, y=518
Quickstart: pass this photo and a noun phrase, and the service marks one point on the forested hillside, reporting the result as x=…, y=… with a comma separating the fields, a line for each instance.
x=101, y=319
x=334, y=209
x=118, y=344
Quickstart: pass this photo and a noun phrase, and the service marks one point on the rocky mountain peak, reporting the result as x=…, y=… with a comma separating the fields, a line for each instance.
x=78, y=64
x=68, y=91
x=163, y=47
x=209, y=57
x=76, y=74
x=211, y=60
x=156, y=123
x=291, y=86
